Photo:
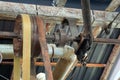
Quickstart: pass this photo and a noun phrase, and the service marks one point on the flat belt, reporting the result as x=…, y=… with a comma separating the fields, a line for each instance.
x=26, y=26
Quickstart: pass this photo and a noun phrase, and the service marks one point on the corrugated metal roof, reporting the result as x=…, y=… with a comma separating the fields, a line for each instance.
x=99, y=54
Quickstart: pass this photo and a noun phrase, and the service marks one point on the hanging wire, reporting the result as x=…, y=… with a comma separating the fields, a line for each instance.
x=110, y=24
x=1, y=57
x=108, y=27
x=4, y=77
x=115, y=17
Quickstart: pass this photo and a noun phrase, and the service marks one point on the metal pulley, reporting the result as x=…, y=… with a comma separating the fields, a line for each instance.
x=31, y=43
x=61, y=34
x=35, y=47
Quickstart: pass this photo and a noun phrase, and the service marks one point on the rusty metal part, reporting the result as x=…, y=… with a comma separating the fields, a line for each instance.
x=111, y=61
x=61, y=33
x=44, y=48
x=108, y=41
x=95, y=40
x=22, y=45
x=35, y=47
x=4, y=34
x=16, y=41
x=103, y=40
x=18, y=38
x=60, y=37
x=77, y=65
x=92, y=65
x=20, y=24
x=54, y=64
x=86, y=38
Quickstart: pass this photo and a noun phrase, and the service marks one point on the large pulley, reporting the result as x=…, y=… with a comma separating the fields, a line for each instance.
x=30, y=44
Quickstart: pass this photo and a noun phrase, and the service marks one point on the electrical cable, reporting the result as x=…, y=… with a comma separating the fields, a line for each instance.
x=1, y=57
x=4, y=77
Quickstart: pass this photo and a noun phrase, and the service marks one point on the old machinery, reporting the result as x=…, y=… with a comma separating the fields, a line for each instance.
x=31, y=40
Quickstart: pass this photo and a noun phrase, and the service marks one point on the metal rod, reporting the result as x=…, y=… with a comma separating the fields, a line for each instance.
x=4, y=34
x=44, y=48
x=54, y=64
x=53, y=51
x=78, y=64
x=96, y=40
x=108, y=41
x=86, y=17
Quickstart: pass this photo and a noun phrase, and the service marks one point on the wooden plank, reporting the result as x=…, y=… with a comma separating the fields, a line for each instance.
x=11, y=10
x=113, y=5
x=59, y=3
x=75, y=13
x=56, y=3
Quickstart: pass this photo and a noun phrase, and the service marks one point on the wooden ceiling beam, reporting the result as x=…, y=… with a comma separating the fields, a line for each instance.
x=113, y=5
x=9, y=10
x=59, y=3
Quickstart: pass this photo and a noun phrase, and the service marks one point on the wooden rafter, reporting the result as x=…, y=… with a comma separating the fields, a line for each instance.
x=9, y=10
x=113, y=5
